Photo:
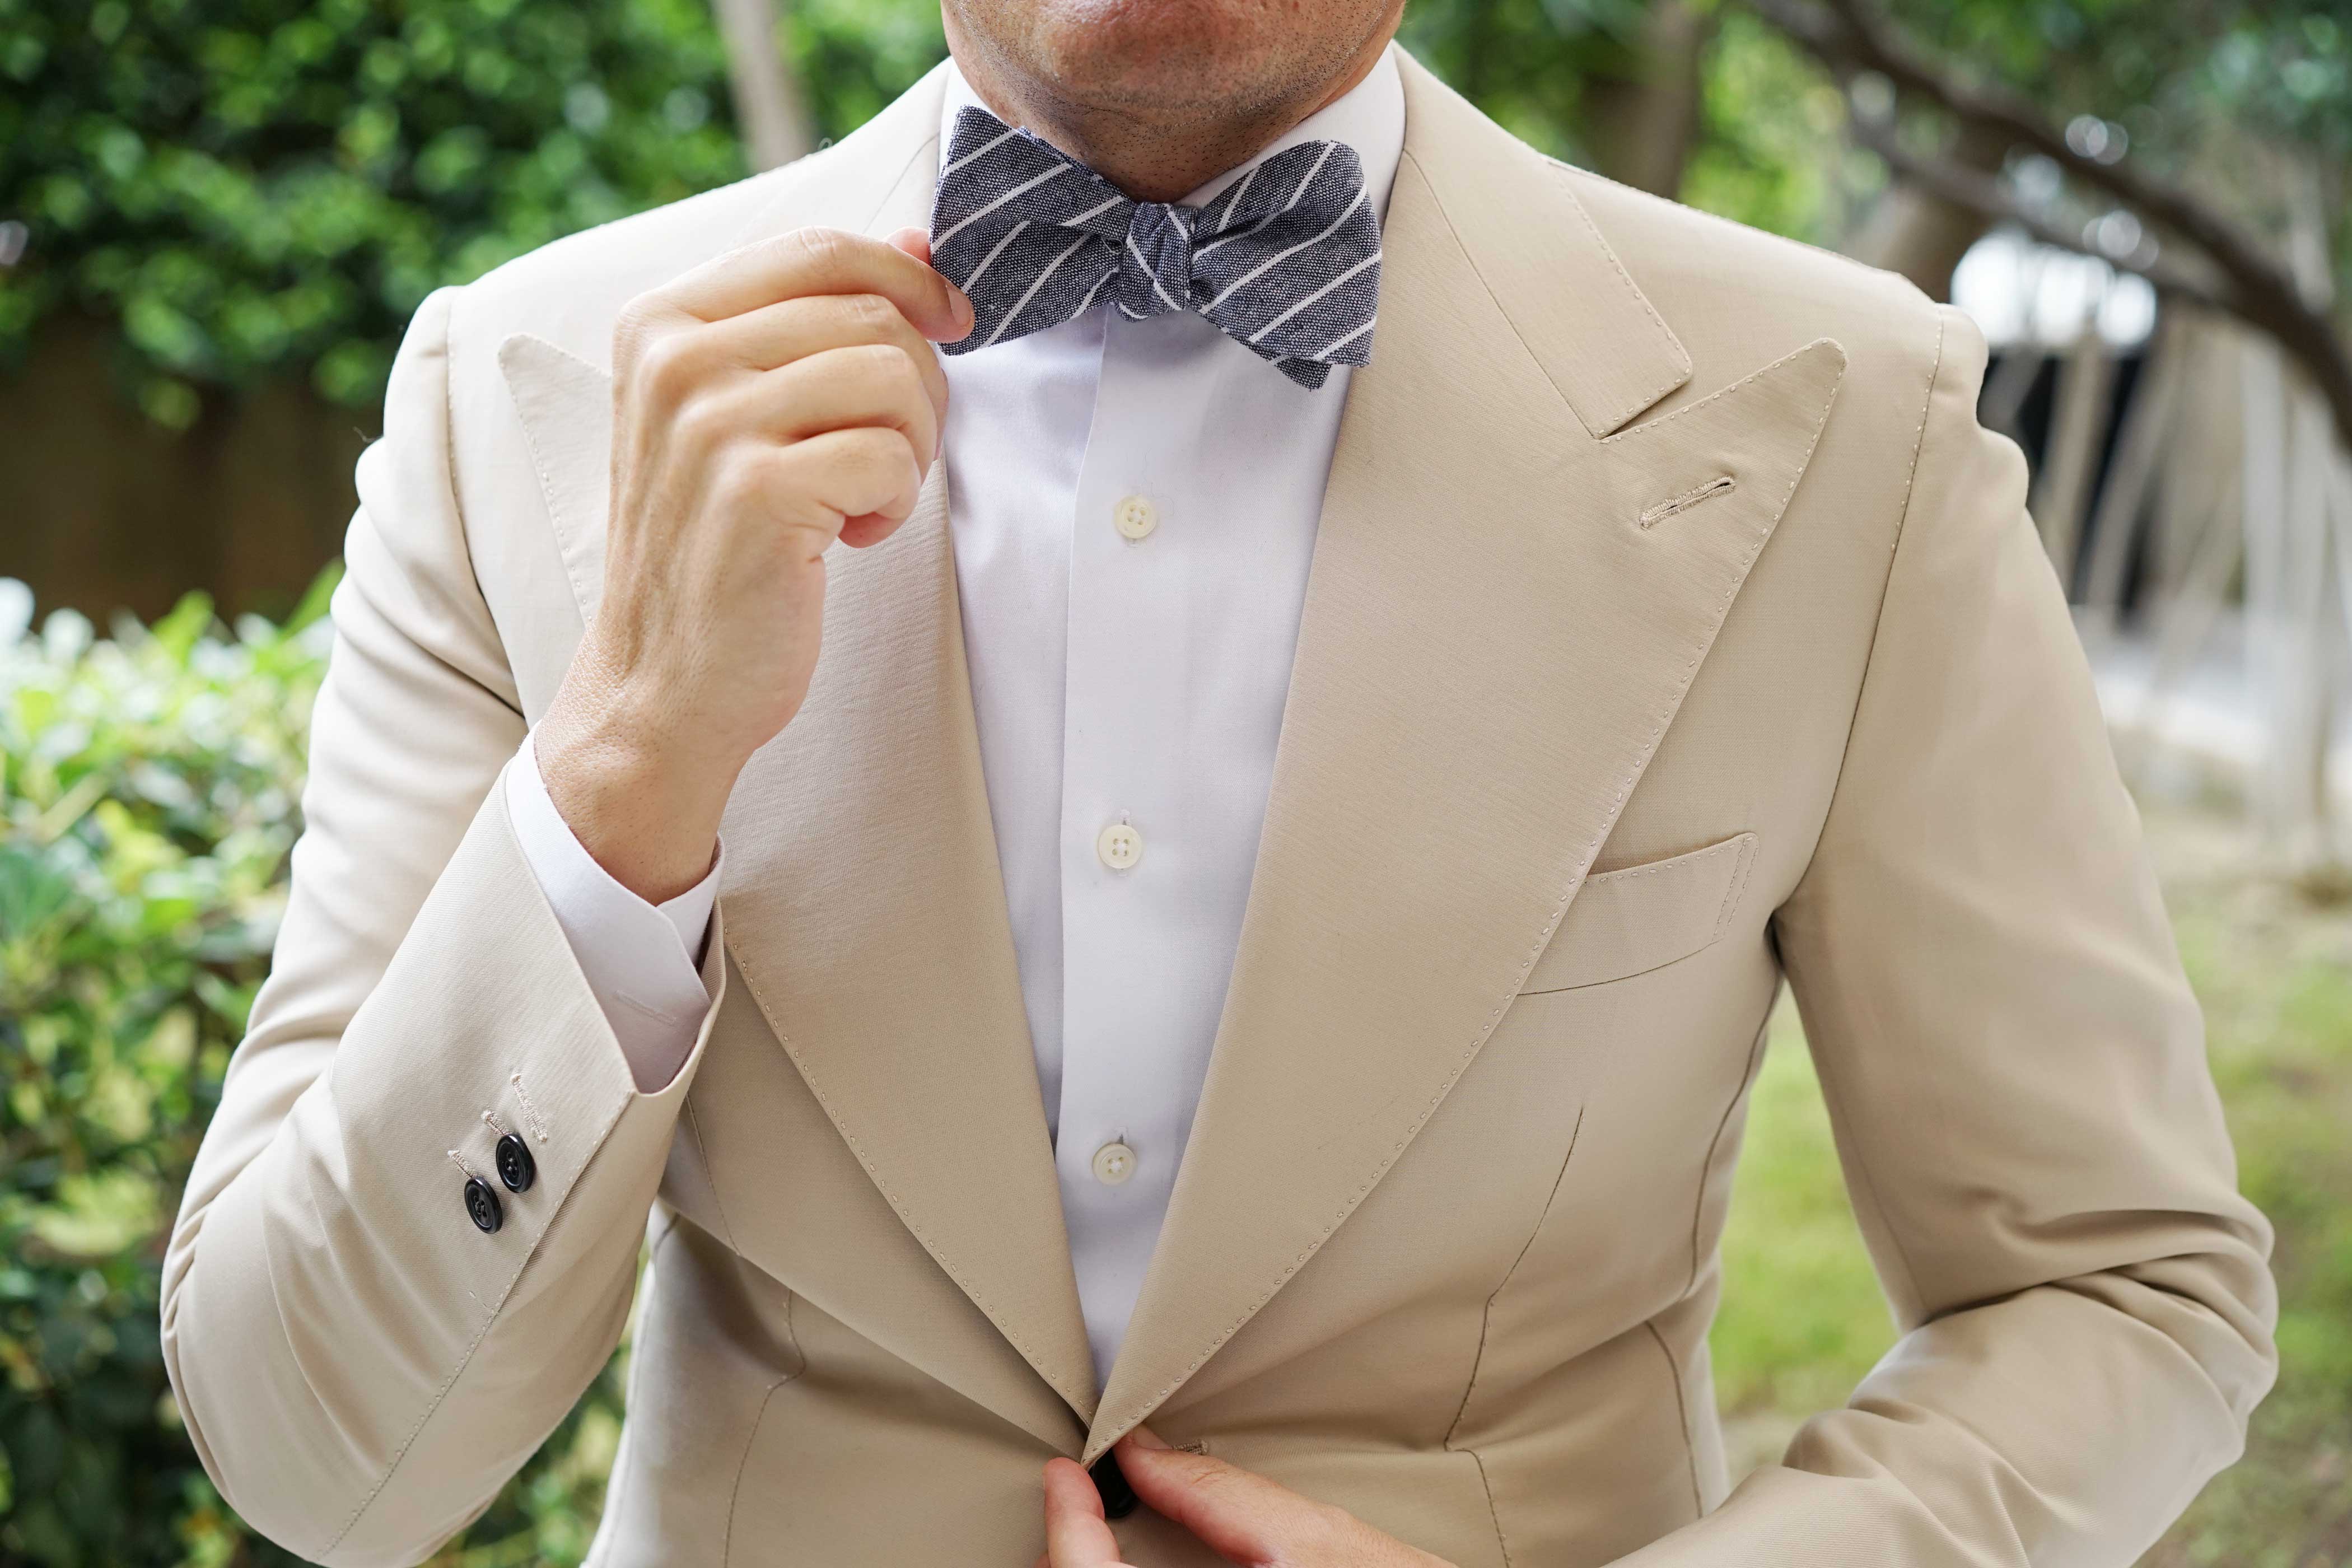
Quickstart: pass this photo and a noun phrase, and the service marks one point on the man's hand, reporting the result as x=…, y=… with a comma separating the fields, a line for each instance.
x=1243, y=1518
x=766, y=404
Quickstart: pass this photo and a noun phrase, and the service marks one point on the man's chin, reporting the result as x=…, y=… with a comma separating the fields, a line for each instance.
x=1154, y=59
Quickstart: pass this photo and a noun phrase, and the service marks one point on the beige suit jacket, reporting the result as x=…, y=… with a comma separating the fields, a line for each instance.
x=1673, y=628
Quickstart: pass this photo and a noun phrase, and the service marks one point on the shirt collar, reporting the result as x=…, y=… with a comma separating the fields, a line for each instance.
x=1367, y=117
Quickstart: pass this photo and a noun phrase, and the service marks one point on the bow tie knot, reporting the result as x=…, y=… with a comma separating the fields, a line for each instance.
x=1156, y=261
x=1286, y=260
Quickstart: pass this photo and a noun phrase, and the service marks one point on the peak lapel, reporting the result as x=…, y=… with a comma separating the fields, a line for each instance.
x=865, y=909
x=1500, y=625
x=865, y=912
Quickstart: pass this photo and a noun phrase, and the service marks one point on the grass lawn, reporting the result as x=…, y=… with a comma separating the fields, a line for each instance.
x=1803, y=1318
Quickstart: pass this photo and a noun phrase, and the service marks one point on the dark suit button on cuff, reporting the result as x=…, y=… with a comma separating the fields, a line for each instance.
x=1110, y=1483
x=482, y=1204
x=517, y=1168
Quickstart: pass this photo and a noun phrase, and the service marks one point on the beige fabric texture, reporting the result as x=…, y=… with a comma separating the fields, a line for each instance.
x=1673, y=628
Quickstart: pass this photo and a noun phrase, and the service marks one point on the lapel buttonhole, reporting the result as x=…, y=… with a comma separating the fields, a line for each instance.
x=1722, y=485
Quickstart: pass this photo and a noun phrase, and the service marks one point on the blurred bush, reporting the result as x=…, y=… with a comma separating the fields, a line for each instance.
x=245, y=186
x=249, y=185
x=148, y=792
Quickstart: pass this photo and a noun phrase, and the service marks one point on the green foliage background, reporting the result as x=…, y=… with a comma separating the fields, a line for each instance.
x=249, y=187
x=149, y=794
x=147, y=802
x=2207, y=91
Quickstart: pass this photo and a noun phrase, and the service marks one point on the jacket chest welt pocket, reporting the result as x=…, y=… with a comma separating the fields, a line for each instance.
x=1639, y=917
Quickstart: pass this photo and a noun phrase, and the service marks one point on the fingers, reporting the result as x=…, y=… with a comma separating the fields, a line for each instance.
x=840, y=389
x=1241, y=1517
x=1076, y=1533
x=812, y=261
x=915, y=242
x=792, y=330
x=855, y=485
x=860, y=473
x=861, y=308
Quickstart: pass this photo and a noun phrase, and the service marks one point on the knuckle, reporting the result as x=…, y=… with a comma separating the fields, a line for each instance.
x=1209, y=1475
x=822, y=247
x=663, y=362
x=902, y=369
x=869, y=315
x=889, y=369
x=745, y=475
x=879, y=454
x=700, y=424
x=840, y=461
x=638, y=324
x=895, y=469
x=1333, y=1530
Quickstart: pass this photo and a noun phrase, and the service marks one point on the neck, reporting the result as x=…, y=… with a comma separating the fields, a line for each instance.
x=1153, y=154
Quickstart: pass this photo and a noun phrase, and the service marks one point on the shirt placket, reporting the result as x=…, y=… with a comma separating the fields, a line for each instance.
x=1129, y=1010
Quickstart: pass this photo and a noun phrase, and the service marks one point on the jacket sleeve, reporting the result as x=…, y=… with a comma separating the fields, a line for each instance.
x=359, y=1364
x=2015, y=1069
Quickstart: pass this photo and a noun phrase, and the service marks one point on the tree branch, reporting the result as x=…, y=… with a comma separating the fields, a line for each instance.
x=1983, y=195
x=1848, y=36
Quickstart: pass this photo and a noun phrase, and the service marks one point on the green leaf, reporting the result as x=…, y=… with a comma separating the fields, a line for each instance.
x=316, y=599
x=189, y=619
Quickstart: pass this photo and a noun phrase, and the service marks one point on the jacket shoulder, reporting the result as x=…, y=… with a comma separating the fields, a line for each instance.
x=1738, y=297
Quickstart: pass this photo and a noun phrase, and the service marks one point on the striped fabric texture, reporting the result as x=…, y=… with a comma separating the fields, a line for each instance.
x=1286, y=260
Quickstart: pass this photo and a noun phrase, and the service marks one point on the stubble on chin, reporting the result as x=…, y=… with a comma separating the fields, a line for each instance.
x=1160, y=93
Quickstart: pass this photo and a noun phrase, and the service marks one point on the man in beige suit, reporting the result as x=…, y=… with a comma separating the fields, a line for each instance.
x=1259, y=848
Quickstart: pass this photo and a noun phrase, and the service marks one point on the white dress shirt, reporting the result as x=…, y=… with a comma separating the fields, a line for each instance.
x=1133, y=509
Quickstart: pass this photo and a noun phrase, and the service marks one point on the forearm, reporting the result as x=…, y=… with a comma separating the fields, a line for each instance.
x=359, y=1363
x=2065, y=1424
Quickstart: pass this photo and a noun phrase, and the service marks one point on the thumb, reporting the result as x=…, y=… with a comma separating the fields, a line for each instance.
x=916, y=243
x=1077, y=1536
x=1241, y=1516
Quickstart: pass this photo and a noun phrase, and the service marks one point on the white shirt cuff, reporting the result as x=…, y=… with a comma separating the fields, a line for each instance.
x=643, y=962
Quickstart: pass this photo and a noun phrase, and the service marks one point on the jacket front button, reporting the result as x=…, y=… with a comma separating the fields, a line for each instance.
x=517, y=1168
x=1119, y=1498
x=482, y=1205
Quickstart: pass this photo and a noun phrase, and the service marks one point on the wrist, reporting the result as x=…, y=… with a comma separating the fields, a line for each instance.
x=645, y=804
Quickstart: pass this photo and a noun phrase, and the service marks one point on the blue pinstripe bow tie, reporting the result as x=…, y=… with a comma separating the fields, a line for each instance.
x=1286, y=260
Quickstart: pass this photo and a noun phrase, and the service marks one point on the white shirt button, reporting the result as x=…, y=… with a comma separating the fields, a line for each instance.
x=1119, y=846
x=1114, y=1162
x=1135, y=517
